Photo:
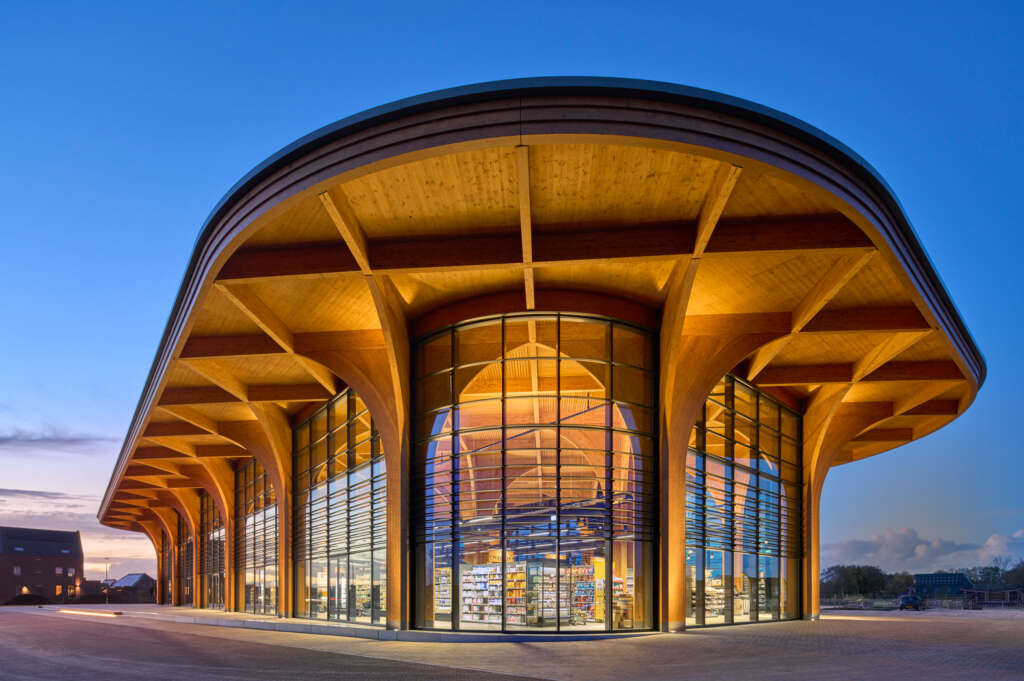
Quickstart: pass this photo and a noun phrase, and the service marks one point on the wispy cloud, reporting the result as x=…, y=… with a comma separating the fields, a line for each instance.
x=40, y=494
x=20, y=442
x=905, y=549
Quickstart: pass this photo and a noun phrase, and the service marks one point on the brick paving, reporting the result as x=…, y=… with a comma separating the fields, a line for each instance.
x=935, y=645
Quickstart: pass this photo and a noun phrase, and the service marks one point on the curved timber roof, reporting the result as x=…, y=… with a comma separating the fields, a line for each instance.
x=524, y=189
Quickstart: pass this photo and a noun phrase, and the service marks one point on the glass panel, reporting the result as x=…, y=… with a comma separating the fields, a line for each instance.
x=318, y=589
x=361, y=587
x=434, y=354
x=478, y=343
x=534, y=457
x=480, y=584
x=632, y=346
x=744, y=585
x=582, y=573
x=767, y=588
x=531, y=337
x=715, y=587
x=694, y=586
x=338, y=575
x=584, y=338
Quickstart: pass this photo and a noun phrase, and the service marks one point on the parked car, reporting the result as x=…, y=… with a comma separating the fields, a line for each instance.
x=910, y=602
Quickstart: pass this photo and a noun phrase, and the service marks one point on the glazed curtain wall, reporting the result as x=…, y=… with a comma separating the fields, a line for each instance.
x=339, y=536
x=533, y=475
x=743, y=503
x=255, y=540
x=211, y=552
x=184, y=562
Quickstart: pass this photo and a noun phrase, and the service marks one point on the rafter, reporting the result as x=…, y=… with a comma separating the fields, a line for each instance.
x=885, y=351
x=935, y=408
x=552, y=244
x=340, y=211
x=246, y=299
x=722, y=184
x=904, y=318
x=814, y=374
x=525, y=222
x=838, y=275
x=886, y=435
x=198, y=347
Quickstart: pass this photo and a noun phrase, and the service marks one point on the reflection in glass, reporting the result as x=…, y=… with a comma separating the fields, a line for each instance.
x=255, y=540
x=535, y=481
x=743, y=495
x=340, y=510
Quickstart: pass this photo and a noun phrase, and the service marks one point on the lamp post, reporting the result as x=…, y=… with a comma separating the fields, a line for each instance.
x=106, y=579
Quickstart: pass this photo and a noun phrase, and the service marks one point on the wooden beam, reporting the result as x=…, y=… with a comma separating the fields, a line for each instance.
x=796, y=233
x=805, y=374
x=199, y=347
x=253, y=306
x=136, y=470
x=206, y=394
x=905, y=318
x=221, y=451
x=246, y=300
x=722, y=184
x=196, y=418
x=886, y=435
x=525, y=223
x=310, y=259
x=555, y=243
x=814, y=374
x=933, y=370
x=145, y=453
x=935, y=408
x=305, y=392
x=837, y=276
x=888, y=349
x=345, y=221
x=171, y=429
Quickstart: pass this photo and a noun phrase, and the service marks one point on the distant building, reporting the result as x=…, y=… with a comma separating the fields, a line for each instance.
x=46, y=563
x=941, y=584
x=996, y=595
x=137, y=587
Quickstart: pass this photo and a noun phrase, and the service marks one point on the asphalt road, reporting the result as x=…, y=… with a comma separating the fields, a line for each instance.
x=69, y=648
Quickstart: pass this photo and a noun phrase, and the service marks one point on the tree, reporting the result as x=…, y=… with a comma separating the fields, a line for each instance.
x=852, y=580
x=1015, y=575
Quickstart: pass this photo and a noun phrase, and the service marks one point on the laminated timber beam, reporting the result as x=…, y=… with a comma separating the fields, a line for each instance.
x=304, y=392
x=815, y=374
x=246, y=300
x=550, y=244
x=837, y=276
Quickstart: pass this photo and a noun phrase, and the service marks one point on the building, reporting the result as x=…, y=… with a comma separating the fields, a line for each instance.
x=135, y=587
x=44, y=563
x=557, y=354
x=941, y=584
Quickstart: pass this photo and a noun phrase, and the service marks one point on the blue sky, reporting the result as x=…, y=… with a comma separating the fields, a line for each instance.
x=122, y=125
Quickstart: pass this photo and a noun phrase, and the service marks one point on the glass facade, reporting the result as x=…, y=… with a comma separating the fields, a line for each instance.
x=184, y=562
x=533, y=482
x=255, y=540
x=743, y=500
x=211, y=553
x=340, y=519
x=166, y=566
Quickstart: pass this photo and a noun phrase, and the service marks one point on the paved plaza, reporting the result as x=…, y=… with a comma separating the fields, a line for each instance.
x=144, y=644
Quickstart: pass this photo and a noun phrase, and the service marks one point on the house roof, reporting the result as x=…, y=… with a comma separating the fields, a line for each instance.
x=131, y=580
x=33, y=542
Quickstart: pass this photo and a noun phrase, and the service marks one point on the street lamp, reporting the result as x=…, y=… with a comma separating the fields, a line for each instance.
x=106, y=579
